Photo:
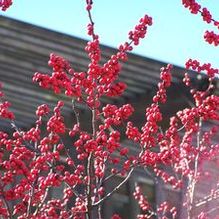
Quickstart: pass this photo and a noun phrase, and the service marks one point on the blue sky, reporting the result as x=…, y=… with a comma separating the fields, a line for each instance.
x=175, y=36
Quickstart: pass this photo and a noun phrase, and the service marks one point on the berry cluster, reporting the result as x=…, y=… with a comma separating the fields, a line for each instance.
x=153, y=114
x=143, y=203
x=4, y=111
x=206, y=15
x=5, y=4
x=115, y=216
x=60, y=80
x=140, y=29
x=210, y=36
x=114, y=115
x=4, y=105
x=206, y=68
x=132, y=132
x=192, y=5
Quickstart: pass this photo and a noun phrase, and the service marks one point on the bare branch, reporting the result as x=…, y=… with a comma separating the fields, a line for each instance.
x=115, y=189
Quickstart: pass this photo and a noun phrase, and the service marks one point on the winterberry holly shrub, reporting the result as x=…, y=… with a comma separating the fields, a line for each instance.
x=37, y=160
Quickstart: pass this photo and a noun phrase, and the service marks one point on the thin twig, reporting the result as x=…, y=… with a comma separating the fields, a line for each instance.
x=115, y=189
x=76, y=112
x=194, y=179
x=207, y=199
